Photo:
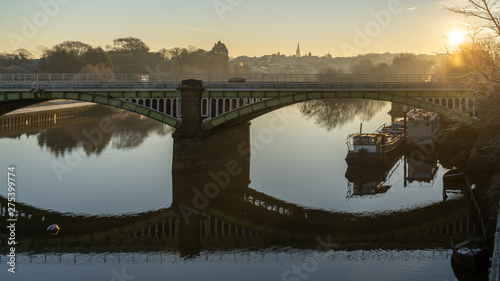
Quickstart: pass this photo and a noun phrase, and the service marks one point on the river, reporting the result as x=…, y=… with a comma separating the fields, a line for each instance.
x=265, y=200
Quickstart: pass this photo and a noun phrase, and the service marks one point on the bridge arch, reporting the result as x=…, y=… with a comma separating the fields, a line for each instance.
x=23, y=99
x=257, y=109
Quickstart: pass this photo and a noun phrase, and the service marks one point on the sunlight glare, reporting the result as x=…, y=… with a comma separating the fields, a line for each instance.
x=456, y=37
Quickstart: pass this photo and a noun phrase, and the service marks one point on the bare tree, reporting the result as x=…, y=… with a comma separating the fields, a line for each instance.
x=486, y=11
x=481, y=52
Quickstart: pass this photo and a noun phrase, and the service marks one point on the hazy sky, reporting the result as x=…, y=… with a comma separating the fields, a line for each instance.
x=247, y=27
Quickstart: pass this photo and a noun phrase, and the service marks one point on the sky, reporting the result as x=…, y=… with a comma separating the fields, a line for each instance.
x=247, y=27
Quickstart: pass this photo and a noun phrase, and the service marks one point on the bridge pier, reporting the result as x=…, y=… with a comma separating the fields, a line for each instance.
x=191, y=126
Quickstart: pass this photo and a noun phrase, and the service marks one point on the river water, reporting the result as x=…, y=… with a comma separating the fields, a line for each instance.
x=266, y=200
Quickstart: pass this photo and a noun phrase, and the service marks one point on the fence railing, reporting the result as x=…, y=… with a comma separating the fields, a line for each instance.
x=229, y=78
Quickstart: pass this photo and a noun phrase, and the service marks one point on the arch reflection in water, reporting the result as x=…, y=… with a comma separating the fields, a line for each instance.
x=213, y=206
x=216, y=215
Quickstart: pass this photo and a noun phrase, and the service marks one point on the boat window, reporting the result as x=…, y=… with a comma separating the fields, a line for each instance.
x=372, y=141
x=357, y=141
x=366, y=140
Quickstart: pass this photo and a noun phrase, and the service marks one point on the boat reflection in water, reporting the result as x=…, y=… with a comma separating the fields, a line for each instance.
x=367, y=180
x=423, y=128
x=420, y=168
x=421, y=165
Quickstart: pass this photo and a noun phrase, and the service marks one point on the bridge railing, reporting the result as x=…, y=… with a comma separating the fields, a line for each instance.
x=228, y=78
x=88, y=85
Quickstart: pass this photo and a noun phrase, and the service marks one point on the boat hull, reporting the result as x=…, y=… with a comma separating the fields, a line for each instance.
x=474, y=260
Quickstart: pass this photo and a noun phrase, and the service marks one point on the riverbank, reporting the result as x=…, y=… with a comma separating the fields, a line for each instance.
x=484, y=160
x=476, y=150
x=495, y=256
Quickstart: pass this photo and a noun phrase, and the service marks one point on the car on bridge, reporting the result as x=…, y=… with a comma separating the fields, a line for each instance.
x=236, y=80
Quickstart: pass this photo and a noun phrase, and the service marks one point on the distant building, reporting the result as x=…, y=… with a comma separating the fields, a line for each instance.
x=297, y=53
x=288, y=65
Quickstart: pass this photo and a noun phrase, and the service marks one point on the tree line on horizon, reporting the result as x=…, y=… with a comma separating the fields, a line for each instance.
x=132, y=55
x=126, y=55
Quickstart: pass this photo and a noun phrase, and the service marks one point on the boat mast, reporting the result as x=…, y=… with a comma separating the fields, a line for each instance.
x=405, y=128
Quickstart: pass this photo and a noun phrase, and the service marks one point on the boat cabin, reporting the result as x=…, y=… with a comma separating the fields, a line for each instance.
x=369, y=142
x=422, y=126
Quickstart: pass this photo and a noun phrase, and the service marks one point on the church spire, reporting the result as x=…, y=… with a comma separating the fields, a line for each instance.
x=297, y=53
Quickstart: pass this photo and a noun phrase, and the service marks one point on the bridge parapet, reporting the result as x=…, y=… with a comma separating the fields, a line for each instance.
x=251, y=86
x=309, y=86
x=69, y=86
x=226, y=78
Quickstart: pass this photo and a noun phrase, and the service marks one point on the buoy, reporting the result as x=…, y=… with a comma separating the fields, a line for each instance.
x=53, y=229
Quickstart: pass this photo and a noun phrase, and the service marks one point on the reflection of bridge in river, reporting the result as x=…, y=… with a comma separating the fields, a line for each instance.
x=52, y=116
x=265, y=219
x=214, y=205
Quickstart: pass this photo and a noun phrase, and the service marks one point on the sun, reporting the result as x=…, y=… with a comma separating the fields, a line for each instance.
x=456, y=37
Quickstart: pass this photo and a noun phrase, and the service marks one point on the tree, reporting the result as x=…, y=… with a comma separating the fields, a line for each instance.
x=132, y=55
x=65, y=57
x=410, y=64
x=76, y=47
x=383, y=68
x=220, y=50
x=486, y=11
x=482, y=52
x=97, y=68
x=194, y=60
x=130, y=45
x=179, y=58
x=482, y=48
x=72, y=56
x=330, y=74
x=219, y=58
x=365, y=66
x=97, y=56
x=59, y=60
x=19, y=61
x=164, y=54
x=22, y=55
